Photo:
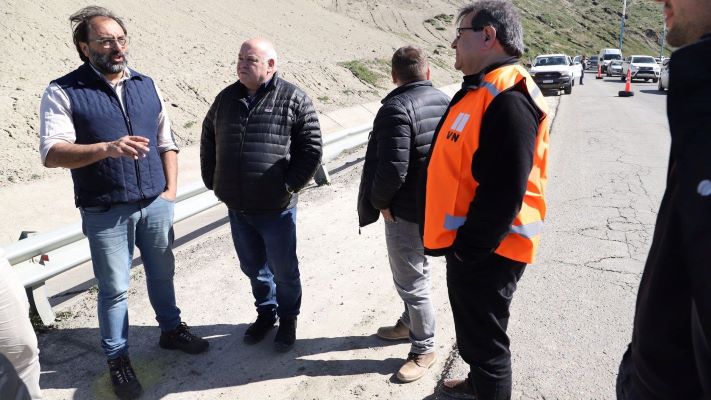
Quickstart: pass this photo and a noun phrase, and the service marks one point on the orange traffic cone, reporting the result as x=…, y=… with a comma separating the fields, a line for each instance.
x=628, y=91
x=599, y=72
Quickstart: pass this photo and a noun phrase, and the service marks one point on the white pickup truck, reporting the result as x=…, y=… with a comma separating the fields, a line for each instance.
x=554, y=72
x=641, y=67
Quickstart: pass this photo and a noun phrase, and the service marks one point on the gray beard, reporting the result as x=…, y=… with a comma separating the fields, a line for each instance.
x=103, y=62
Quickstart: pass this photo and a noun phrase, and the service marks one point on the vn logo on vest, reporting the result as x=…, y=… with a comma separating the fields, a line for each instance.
x=458, y=126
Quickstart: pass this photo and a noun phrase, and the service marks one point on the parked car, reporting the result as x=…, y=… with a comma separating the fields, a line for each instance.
x=664, y=76
x=592, y=63
x=554, y=72
x=607, y=55
x=615, y=68
x=641, y=67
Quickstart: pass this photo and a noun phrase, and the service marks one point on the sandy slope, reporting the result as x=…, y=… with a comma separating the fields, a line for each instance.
x=189, y=48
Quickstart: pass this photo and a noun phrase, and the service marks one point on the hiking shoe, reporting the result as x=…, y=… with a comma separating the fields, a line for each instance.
x=416, y=366
x=256, y=332
x=397, y=332
x=180, y=338
x=123, y=379
x=459, y=389
x=286, y=335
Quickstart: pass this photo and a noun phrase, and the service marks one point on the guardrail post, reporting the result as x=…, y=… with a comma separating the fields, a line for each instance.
x=322, y=178
x=39, y=303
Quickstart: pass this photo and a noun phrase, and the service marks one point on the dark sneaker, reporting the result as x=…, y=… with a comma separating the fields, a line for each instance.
x=256, y=332
x=286, y=335
x=180, y=338
x=459, y=389
x=123, y=379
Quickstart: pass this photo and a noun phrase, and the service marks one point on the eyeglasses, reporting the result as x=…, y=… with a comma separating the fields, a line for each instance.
x=108, y=42
x=469, y=28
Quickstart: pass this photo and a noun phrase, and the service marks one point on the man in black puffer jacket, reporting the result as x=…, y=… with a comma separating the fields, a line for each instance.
x=260, y=145
x=398, y=146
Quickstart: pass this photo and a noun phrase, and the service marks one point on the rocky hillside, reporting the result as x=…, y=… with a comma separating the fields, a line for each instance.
x=337, y=50
x=586, y=26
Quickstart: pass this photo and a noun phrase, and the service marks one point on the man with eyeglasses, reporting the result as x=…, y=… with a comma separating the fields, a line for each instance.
x=107, y=124
x=260, y=145
x=484, y=192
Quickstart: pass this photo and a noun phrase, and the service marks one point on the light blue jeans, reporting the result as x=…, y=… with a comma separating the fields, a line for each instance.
x=413, y=280
x=113, y=231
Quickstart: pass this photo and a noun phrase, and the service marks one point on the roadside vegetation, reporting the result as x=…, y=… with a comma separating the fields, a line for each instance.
x=586, y=26
x=583, y=27
x=370, y=72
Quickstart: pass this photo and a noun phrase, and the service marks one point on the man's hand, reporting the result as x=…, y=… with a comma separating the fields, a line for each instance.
x=387, y=215
x=169, y=194
x=128, y=146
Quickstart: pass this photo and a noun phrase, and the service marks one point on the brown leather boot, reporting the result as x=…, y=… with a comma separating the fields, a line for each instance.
x=416, y=366
x=397, y=332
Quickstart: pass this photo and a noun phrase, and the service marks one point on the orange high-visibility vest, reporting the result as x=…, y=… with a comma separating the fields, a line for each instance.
x=451, y=186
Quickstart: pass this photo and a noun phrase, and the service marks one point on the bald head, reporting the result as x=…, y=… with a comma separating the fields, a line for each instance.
x=256, y=63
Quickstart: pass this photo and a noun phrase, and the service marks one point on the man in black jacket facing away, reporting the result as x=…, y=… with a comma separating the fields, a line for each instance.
x=670, y=353
x=398, y=145
x=260, y=145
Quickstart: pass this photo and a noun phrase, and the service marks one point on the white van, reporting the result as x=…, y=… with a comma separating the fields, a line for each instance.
x=606, y=56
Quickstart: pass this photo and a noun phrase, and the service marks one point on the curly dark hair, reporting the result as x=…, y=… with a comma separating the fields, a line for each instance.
x=81, y=24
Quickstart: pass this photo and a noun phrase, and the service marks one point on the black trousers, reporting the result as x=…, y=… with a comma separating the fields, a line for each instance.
x=480, y=295
x=670, y=353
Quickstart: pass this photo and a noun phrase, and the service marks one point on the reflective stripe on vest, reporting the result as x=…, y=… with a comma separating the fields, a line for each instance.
x=451, y=186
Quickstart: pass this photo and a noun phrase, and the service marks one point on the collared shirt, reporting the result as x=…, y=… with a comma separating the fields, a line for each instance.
x=475, y=79
x=260, y=89
x=56, y=123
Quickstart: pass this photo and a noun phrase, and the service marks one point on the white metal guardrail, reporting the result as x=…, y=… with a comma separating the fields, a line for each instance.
x=46, y=255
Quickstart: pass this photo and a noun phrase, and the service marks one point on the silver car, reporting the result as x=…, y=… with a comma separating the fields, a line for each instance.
x=615, y=68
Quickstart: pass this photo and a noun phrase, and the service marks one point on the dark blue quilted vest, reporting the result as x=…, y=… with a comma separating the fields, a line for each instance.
x=98, y=117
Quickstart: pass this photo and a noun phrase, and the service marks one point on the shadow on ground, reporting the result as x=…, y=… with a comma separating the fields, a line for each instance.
x=72, y=359
x=654, y=91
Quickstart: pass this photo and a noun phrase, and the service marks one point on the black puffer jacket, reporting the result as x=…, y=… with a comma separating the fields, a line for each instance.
x=397, y=148
x=248, y=156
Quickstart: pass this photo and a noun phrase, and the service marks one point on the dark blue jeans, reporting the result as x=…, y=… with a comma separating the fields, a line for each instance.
x=266, y=248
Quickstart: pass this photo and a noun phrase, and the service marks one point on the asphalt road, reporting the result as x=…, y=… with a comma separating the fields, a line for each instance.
x=571, y=317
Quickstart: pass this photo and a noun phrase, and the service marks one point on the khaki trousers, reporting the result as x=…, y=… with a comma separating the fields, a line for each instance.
x=17, y=338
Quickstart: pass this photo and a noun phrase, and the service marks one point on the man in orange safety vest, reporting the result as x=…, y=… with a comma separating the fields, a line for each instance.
x=484, y=191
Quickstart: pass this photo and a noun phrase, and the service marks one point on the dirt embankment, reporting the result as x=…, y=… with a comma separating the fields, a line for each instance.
x=189, y=49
